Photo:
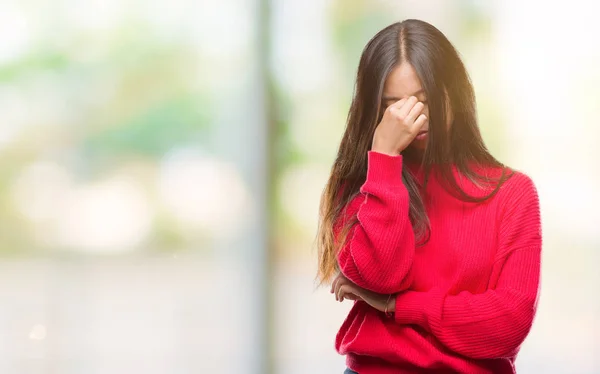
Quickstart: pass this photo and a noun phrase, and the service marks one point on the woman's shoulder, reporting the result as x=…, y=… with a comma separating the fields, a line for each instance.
x=518, y=182
x=518, y=194
x=510, y=179
x=501, y=184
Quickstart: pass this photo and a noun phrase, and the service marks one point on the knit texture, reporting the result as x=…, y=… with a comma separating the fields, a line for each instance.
x=465, y=300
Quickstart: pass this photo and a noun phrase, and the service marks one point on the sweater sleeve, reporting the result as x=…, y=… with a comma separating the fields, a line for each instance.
x=494, y=323
x=379, y=250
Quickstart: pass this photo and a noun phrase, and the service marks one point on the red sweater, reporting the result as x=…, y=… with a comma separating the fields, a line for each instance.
x=465, y=300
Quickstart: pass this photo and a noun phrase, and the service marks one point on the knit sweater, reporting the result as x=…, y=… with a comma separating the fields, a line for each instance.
x=465, y=300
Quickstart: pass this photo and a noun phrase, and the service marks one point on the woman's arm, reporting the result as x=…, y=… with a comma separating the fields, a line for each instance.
x=379, y=249
x=488, y=325
x=495, y=323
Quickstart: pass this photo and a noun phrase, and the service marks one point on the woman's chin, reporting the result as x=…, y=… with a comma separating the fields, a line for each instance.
x=419, y=144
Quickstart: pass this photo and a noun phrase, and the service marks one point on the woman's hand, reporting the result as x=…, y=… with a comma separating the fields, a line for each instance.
x=343, y=288
x=400, y=124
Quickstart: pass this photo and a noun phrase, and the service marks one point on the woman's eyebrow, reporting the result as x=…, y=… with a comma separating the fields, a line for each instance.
x=395, y=98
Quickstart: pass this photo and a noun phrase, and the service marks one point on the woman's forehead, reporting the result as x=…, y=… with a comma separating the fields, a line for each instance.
x=402, y=82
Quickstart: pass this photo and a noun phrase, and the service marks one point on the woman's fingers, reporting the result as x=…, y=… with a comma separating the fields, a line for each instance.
x=344, y=289
x=421, y=120
x=339, y=296
x=344, y=292
x=335, y=282
x=339, y=281
x=407, y=107
x=398, y=104
x=351, y=292
x=414, y=112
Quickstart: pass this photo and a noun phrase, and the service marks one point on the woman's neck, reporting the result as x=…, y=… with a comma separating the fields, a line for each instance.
x=413, y=156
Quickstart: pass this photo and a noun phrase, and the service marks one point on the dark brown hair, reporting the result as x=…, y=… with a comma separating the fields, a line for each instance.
x=449, y=93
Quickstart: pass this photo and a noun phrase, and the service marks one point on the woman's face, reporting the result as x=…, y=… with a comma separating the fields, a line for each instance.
x=402, y=83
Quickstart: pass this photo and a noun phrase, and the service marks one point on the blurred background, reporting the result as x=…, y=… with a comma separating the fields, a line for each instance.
x=161, y=164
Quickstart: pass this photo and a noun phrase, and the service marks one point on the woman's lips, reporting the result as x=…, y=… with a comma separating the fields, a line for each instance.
x=422, y=135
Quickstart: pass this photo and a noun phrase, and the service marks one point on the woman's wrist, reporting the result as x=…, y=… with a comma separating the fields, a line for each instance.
x=390, y=305
x=384, y=151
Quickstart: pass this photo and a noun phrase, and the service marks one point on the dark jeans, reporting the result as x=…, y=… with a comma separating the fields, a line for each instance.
x=348, y=371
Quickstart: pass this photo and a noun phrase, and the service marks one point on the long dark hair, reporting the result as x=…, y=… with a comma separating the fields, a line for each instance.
x=449, y=93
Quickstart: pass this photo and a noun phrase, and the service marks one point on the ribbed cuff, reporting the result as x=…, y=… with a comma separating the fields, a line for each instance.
x=383, y=169
x=410, y=308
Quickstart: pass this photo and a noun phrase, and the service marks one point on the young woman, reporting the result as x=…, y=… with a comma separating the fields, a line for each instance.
x=436, y=241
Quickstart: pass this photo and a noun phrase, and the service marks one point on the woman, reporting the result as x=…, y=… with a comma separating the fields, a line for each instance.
x=436, y=241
